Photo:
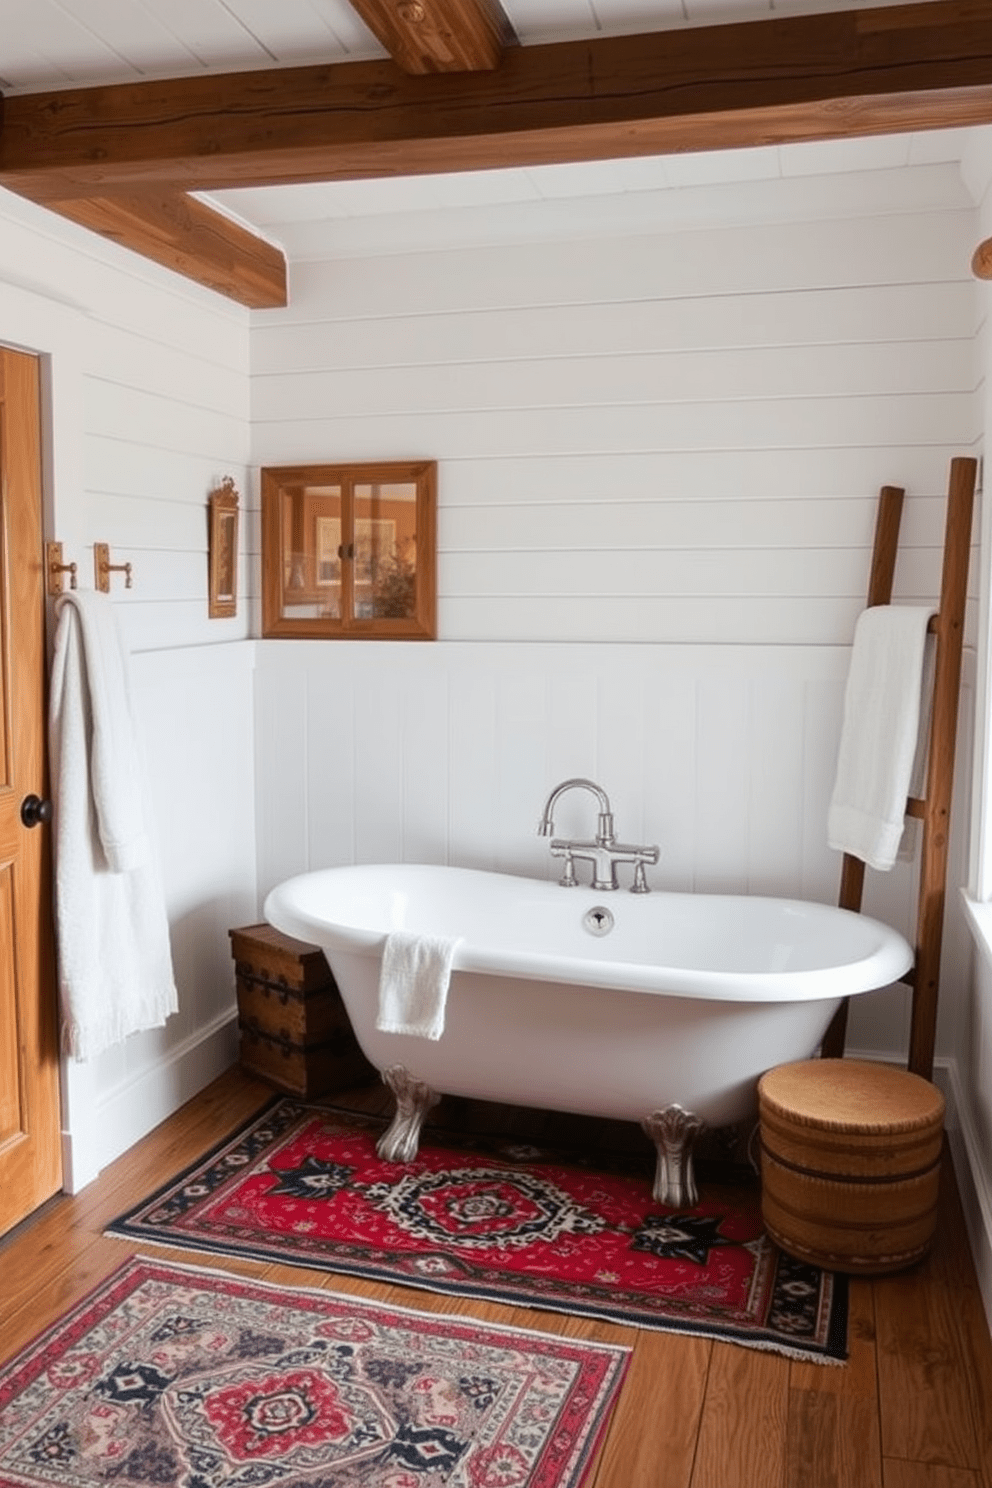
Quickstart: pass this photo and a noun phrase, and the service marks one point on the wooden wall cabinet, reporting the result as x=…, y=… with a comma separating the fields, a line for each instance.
x=348, y=551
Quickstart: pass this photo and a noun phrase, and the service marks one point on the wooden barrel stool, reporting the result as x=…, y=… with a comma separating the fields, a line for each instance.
x=850, y=1163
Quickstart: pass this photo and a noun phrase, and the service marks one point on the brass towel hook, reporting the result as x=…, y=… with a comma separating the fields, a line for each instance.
x=103, y=568
x=55, y=568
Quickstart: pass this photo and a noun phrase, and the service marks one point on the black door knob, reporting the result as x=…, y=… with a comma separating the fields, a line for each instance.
x=34, y=811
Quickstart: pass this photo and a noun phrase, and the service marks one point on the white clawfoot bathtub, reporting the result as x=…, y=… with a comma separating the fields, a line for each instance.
x=668, y=1018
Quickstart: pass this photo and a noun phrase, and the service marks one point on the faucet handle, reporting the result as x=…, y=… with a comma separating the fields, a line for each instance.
x=644, y=855
x=563, y=850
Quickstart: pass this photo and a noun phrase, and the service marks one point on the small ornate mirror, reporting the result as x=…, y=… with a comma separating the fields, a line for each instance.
x=224, y=550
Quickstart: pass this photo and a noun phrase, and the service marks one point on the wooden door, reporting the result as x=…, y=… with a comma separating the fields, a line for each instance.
x=30, y=1151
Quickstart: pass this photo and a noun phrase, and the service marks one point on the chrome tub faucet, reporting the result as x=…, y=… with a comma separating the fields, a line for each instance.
x=604, y=853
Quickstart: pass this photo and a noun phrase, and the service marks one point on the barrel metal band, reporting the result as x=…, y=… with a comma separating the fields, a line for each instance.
x=866, y=1178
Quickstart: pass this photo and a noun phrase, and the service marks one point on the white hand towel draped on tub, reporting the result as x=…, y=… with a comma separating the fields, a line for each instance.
x=413, y=983
x=115, y=964
x=880, y=733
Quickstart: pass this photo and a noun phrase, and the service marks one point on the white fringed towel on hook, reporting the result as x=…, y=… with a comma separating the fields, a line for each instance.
x=413, y=983
x=879, y=733
x=115, y=963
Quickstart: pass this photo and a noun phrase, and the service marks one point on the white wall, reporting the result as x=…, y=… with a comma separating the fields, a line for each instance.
x=671, y=436
x=147, y=394
x=971, y=1064
x=659, y=451
x=659, y=444
x=659, y=454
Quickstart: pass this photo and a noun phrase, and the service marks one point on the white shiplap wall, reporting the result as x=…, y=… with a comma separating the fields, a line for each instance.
x=147, y=404
x=658, y=456
x=674, y=436
x=159, y=404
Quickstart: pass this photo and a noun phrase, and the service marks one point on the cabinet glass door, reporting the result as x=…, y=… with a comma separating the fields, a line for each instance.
x=348, y=551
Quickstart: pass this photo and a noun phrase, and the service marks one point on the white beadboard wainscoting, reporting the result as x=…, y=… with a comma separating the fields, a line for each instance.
x=193, y=709
x=722, y=755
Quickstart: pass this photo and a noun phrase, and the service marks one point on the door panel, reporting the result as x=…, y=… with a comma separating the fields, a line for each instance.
x=10, y=1103
x=30, y=1153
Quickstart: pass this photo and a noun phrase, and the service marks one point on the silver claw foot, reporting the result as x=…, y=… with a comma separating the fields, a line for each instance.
x=673, y=1132
x=414, y=1099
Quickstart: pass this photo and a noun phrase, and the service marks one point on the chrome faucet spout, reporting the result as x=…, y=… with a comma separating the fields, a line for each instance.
x=604, y=828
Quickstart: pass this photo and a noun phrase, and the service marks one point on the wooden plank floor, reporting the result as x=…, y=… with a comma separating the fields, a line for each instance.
x=911, y=1409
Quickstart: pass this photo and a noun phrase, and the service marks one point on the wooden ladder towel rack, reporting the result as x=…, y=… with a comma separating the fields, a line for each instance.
x=934, y=808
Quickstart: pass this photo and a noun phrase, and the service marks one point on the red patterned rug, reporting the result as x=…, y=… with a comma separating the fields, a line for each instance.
x=303, y=1185
x=186, y=1378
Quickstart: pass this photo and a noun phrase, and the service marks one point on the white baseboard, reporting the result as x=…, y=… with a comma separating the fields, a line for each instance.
x=128, y=1111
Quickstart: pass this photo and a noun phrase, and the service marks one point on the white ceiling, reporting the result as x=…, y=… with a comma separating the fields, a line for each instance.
x=48, y=44
x=72, y=43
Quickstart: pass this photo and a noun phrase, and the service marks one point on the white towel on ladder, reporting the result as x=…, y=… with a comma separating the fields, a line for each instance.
x=413, y=983
x=114, y=959
x=880, y=733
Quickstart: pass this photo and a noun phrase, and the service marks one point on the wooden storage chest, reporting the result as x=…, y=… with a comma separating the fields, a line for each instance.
x=850, y=1163
x=295, y=1031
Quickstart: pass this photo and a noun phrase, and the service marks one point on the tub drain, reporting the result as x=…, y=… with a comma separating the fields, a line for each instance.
x=598, y=921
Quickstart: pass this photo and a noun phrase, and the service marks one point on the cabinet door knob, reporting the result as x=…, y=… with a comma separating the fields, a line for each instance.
x=34, y=811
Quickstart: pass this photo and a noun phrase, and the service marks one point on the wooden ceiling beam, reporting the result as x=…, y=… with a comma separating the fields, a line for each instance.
x=425, y=36
x=184, y=234
x=121, y=159
x=824, y=76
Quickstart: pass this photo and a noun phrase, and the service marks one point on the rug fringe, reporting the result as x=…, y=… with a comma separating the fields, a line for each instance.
x=766, y=1345
x=320, y=1293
